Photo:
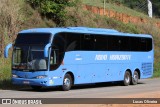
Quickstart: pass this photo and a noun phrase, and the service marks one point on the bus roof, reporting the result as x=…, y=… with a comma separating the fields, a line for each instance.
x=85, y=30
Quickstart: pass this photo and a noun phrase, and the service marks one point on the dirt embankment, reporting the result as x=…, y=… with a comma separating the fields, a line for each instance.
x=119, y=16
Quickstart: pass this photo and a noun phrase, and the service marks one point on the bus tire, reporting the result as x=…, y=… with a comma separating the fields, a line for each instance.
x=127, y=78
x=34, y=87
x=67, y=82
x=135, y=78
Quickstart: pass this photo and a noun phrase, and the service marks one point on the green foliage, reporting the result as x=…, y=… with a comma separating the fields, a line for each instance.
x=15, y=15
x=120, y=26
x=156, y=7
x=53, y=9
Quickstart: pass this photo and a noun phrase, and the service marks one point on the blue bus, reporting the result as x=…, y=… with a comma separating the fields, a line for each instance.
x=44, y=57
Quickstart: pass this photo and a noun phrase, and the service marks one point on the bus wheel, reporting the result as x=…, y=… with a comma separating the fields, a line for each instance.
x=67, y=82
x=36, y=87
x=135, y=78
x=127, y=78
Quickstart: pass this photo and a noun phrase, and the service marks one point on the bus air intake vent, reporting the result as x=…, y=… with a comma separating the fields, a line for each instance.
x=147, y=69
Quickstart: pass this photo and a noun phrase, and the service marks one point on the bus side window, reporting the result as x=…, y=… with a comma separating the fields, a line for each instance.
x=54, y=59
x=87, y=42
x=71, y=46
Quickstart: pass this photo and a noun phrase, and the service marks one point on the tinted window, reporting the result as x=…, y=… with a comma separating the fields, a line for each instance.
x=69, y=41
x=140, y=44
x=87, y=42
x=93, y=42
x=33, y=38
x=135, y=44
x=113, y=43
x=101, y=43
x=124, y=43
x=149, y=44
x=60, y=42
x=73, y=41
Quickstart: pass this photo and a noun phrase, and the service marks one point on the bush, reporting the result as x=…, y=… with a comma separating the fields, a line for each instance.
x=52, y=9
x=10, y=18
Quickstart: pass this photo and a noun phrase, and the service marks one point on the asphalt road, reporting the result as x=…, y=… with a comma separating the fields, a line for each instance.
x=106, y=90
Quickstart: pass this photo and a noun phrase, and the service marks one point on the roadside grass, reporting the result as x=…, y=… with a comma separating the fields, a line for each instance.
x=5, y=73
x=6, y=84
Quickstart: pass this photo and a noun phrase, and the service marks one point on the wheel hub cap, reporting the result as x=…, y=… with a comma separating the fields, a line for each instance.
x=67, y=82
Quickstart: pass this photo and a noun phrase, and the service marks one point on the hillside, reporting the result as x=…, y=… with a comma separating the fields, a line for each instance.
x=16, y=15
x=114, y=7
x=131, y=7
x=121, y=13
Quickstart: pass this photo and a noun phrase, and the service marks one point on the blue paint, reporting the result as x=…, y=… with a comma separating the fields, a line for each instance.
x=46, y=49
x=87, y=66
x=6, y=50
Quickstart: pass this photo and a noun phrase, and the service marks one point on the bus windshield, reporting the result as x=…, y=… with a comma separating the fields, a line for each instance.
x=29, y=58
x=28, y=53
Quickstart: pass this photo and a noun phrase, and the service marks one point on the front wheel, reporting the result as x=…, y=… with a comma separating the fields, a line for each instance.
x=135, y=78
x=67, y=82
x=127, y=78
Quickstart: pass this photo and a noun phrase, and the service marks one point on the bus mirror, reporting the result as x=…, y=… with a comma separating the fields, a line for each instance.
x=7, y=49
x=46, y=50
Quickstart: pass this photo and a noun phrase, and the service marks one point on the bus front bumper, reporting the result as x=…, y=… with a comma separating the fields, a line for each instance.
x=37, y=82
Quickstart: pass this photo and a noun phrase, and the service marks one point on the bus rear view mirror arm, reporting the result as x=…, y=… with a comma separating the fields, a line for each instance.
x=7, y=49
x=46, y=50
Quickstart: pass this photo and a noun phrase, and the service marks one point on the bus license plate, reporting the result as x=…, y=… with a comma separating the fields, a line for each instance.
x=25, y=82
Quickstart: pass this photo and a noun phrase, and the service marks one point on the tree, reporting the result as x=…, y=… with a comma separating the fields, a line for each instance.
x=156, y=7
x=52, y=9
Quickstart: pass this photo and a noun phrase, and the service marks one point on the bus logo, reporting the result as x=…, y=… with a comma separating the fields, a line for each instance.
x=113, y=57
x=101, y=57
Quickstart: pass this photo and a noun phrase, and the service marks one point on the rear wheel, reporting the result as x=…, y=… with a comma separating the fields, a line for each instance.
x=36, y=87
x=127, y=78
x=135, y=78
x=67, y=82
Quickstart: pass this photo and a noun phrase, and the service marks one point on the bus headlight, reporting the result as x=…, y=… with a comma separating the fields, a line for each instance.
x=41, y=76
x=14, y=76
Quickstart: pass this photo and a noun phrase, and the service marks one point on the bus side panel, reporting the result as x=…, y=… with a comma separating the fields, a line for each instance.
x=99, y=72
x=84, y=74
x=104, y=66
x=58, y=75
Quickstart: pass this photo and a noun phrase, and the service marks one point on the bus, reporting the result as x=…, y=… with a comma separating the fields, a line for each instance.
x=48, y=57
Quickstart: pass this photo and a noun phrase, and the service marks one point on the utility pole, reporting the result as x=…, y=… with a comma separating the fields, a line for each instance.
x=149, y=8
